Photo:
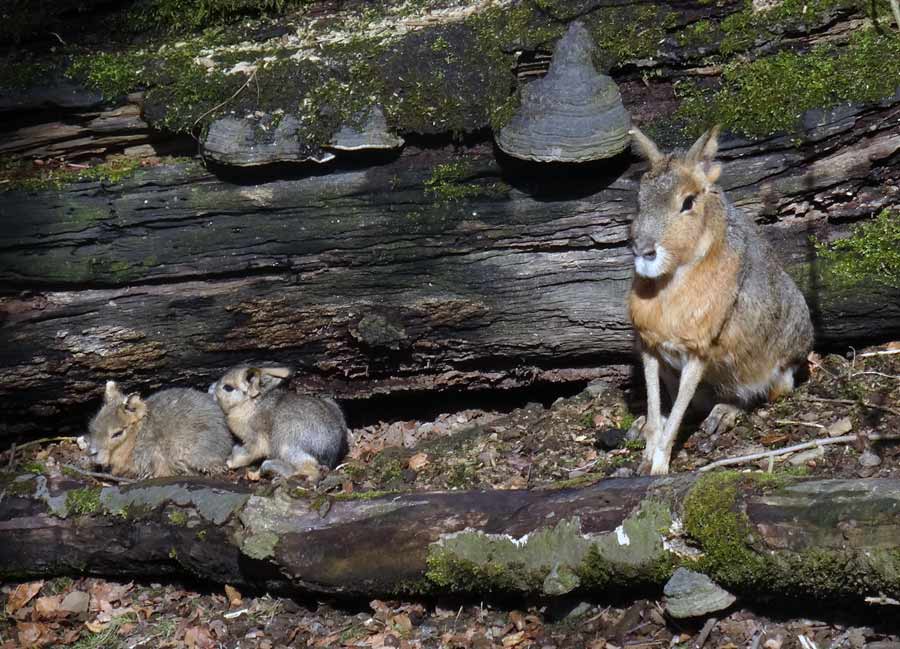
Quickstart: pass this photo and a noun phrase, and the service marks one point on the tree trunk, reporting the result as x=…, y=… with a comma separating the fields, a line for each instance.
x=378, y=274
x=756, y=535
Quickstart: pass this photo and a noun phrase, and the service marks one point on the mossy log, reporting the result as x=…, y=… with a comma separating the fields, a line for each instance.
x=430, y=271
x=757, y=535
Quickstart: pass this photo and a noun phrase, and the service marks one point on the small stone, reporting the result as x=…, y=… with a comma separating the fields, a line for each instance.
x=634, y=432
x=622, y=472
x=75, y=602
x=809, y=416
x=560, y=581
x=869, y=459
x=841, y=427
x=692, y=594
x=610, y=438
x=813, y=454
x=597, y=387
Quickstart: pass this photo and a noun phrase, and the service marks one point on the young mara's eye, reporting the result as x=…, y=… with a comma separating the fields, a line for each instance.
x=688, y=204
x=117, y=434
x=228, y=388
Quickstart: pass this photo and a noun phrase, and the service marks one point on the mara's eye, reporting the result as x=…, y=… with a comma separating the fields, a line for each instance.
x=117, y=434
x=688, y=204
x=228, y=388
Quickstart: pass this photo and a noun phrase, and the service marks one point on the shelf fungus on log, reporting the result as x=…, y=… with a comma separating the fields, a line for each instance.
x=242, y=142
x=371, y=134
x=573, y=114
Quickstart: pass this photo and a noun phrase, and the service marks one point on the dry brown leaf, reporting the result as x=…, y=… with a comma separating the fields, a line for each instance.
x=517, y=619
x=96, y=626
x=34, y=634
x=233, y=595
x=402, y=623
x=893, y=345
x=774, y=438
x=47, y=608
x=841, y=427
x=418, y=461
x=253, y=476
x=513, y=639
x=199, y=637
x=126, y=629
x=22, y=595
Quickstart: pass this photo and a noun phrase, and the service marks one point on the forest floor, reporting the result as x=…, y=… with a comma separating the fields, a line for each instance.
x=573, y=441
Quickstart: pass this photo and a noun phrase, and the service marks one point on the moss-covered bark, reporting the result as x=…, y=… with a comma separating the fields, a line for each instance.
x=758, y=535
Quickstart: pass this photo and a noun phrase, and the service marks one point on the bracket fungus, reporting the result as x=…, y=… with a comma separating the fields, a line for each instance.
x=573, y=114
x=244, y=142
x=371, y=135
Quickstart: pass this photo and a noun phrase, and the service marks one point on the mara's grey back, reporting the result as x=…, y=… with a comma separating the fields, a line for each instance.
x=305, y=423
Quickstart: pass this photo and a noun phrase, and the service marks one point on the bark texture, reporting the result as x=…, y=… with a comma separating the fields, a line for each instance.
x=758, y=536
x=379, y=274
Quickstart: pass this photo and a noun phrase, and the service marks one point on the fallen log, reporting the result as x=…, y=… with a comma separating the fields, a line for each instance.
x=756, y=534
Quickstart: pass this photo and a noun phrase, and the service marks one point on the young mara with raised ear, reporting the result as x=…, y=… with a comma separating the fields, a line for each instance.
x=293, y=433
x=708, y=300
x=172, y=432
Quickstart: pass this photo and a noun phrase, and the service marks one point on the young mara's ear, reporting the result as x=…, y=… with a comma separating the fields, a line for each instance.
x=134, y=407
x=277, y=372
x=112, y=392
x=253, y=378
x=645, y=146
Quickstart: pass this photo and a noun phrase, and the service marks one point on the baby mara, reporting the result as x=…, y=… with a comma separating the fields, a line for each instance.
x=182, y=431
x=717, y=318
x=293, y=433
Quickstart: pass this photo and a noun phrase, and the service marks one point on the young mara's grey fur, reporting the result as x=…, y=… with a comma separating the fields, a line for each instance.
x=294, y=433
x=717, y=318
x=173, y=432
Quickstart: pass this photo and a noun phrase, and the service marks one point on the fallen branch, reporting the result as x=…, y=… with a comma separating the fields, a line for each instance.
x=96, y=474
x=13, y=449
x=792, y=422
x=883, y=352
x=844, y=439
x=530, y=542
x=851, y=402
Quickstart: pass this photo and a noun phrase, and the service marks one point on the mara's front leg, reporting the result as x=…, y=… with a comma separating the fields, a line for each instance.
x=653, y=425
x=661, y=454
x=244, y=455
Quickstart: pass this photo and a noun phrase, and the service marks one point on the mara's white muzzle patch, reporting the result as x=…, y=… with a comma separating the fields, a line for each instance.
x=651, y=268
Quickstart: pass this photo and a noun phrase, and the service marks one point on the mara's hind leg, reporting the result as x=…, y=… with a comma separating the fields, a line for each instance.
x=242, y=456
x=295, y=462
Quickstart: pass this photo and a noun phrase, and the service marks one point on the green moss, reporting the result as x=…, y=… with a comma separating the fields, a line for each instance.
x=180, y=15
x=201, y=535
x=83, y=501
x=629, y=32
x=870, y=254
x=178, y=517
x=744, y=29
x=23, y=175
x=34, y=467
x=698, y=34
x=447, y=182
x=768, y=95
x=16, y=485
x=114, y=74
x=462, y=575
x=19, y=76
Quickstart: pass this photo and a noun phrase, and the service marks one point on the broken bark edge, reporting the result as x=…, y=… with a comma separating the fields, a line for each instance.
x=762, y=536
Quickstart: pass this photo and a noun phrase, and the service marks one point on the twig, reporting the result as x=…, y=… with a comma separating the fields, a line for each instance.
x=219, y=105
x=887, y=376
x=705, y=631
x=98, y=475
x=12, y=456
x=851, y=402
x=844, y=439
x=67, y=438
x=883, y=352
x=883, y=600
x=58, y=37
x=791, y=422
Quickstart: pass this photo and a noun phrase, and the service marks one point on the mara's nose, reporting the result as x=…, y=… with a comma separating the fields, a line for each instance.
x=644, y=249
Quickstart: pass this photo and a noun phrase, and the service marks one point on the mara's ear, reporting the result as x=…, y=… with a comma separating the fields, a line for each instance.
x=252, y=378
x=133, y=407
x=705, y=148
x=112, y=392
x=703, y=153
x=277, y=372
x=645, y=146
